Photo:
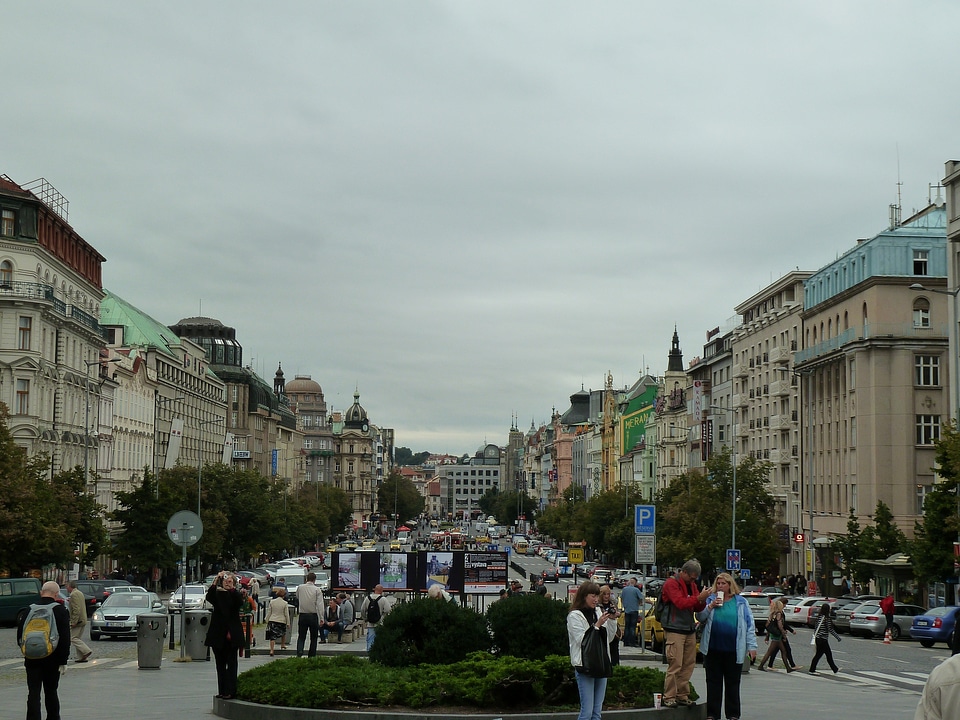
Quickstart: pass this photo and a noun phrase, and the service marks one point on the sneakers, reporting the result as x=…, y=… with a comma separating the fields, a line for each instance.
x=669, y=703
x=685, y=702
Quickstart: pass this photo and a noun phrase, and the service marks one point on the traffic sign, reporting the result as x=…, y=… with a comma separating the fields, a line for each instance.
x=645, y=519
x=646, y=549
x=744, y=573
x=733, y=559
x=575, y=555
x=184, y=528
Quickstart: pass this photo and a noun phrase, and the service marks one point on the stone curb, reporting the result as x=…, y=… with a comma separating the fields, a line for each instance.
x=241, y=710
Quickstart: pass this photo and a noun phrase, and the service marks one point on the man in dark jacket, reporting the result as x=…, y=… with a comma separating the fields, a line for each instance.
x=682, y=600
x=45, y=673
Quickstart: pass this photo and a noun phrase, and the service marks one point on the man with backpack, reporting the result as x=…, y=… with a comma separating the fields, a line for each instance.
x=44, y=639
x=374, y=607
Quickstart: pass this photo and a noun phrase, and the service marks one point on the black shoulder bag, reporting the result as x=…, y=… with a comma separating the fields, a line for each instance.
x=595, y=653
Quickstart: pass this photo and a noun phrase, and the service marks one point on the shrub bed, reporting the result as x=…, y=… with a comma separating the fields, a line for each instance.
x=480, y=681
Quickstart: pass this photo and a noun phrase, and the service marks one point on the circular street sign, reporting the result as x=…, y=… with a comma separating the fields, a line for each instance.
x=184, y=528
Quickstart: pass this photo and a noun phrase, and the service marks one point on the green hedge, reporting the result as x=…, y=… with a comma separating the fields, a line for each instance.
x=481, y=680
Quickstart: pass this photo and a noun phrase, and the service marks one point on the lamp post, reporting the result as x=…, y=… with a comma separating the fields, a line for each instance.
x=86, y=416
x=733, y=449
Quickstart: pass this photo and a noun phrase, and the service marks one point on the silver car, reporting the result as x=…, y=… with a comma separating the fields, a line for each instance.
x=117, y=616
x=869, y=620
x=195, y=598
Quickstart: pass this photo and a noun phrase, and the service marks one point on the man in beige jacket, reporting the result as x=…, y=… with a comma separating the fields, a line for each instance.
x=78, y=621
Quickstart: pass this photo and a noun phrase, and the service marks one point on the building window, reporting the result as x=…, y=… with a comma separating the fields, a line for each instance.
x=6, y=274
x=920, y=258
x=23, y=397
x=26, y=325
x=927, y=370
x=921, y=313
x=928, y=429
x=922, y=491
x=8, y=223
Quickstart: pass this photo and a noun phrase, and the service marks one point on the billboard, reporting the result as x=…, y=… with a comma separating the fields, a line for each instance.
x=635, y=418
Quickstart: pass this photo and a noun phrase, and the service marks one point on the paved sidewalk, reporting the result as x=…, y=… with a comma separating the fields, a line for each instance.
x=115, y=688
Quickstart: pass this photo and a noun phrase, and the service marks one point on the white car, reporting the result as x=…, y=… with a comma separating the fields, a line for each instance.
x=195, y=598
x=798, y=609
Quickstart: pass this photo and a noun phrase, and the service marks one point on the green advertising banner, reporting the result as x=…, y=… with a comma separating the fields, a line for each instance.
x=633, y=424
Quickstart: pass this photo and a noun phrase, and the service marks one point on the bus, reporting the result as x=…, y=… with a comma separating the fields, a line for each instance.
x=520, y=545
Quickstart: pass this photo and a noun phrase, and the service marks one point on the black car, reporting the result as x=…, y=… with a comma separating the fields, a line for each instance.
x=90, y=598
x=551, y=574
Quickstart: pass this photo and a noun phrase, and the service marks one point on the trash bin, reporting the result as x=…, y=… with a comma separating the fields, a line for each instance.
x=150, y=629
x=195, y=626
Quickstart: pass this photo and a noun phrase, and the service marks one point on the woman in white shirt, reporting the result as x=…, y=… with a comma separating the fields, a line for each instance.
x=583, y=618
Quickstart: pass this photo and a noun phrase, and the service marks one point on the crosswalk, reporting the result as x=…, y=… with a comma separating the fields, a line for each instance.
x=14, y=664
x=907, y=682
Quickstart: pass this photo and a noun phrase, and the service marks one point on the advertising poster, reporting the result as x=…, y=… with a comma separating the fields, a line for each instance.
x=439, y=566
x=484, y=573
x=395, y=569
x=348, y=570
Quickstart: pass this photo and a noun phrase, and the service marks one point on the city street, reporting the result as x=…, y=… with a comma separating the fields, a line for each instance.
x=873, y=676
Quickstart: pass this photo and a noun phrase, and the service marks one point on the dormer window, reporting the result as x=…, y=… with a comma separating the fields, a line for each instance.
x=8, y=223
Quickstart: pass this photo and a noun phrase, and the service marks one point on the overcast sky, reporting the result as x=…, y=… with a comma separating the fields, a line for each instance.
x=469, y=210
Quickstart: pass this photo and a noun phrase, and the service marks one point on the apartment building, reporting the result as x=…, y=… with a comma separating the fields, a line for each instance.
x=764, y=406
x=875, y=393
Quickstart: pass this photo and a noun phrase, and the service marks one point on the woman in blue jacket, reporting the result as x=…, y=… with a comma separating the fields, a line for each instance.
x=728, y=637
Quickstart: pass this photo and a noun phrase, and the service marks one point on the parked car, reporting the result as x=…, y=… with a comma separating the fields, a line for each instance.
x=759, y=603
x=189, y=597
x=935, y=625
x=117, y=617
x=868, y=620
x=796, y=611
x=841, y=622
x=602, y=577
x=16, y=597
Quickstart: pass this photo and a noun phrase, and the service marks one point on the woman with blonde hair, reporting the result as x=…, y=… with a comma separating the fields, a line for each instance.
x=278, y=619
x=607, y=605
x=775, y=633
x=728, y=637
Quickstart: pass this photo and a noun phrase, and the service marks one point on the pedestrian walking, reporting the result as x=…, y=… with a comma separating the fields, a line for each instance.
x=888, y=607
x=278, y=620
x=375, y=606
x=78, y=622
x=775, y=633
x=821, y=634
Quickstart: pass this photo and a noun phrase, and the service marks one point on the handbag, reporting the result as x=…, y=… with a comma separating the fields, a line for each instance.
x=595, y=654
x=813, y=639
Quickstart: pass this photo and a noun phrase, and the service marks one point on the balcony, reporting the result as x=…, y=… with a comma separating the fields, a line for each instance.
x=780, y=457
x=739, y=370
x=778, y=422
x=39, y=291
x=742, y=430
x=780, y=387
x=740, y=400
x=779, y=355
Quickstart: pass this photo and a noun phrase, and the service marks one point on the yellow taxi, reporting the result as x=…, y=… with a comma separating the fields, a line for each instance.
x=394, y=544
x=332, y=549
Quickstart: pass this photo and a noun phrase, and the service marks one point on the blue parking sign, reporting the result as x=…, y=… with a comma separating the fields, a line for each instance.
x=645, y=519
x=733, y=559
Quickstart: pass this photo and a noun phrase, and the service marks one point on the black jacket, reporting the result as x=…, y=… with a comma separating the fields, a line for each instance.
x=225, y=619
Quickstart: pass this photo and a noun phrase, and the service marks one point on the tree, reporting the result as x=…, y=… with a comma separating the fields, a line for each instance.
x=506, y=507
x=884, y=538
x=405, y=456
x=43, y=520
x=694, y=516
x=848, y=548
x=398, y=495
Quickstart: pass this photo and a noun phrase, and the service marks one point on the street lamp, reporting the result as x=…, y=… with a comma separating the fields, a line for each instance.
x=733, y=449
x=86, y=416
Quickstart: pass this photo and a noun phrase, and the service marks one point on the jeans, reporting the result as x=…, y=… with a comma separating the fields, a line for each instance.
x=327, y=629
x=722, y=677
x=592, y=691
x=371, y=634
x=308, y=622
x=43, y=674
x=630, y=628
